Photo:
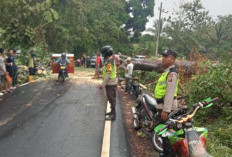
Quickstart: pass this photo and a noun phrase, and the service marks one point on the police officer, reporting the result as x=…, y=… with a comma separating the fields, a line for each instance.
x=166, y=93
x=110, y=80
x=32, y=65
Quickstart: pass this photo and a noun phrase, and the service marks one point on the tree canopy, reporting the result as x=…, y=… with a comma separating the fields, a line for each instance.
x=78, y=26
x=84, y=26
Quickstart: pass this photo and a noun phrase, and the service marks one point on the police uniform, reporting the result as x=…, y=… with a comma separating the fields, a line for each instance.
x=165, y=94
x=166, y=90
x=109, y=74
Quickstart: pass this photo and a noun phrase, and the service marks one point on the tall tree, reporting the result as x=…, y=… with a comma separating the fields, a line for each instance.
x=139, y=11
x=23, y=22
x=184, y=31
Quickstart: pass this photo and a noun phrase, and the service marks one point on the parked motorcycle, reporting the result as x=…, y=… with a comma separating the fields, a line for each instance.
x=62, y=72
x=186, y=140
x=144, y=113
x=134, y=87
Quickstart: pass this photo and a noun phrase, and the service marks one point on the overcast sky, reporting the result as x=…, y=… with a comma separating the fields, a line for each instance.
x=215, y=7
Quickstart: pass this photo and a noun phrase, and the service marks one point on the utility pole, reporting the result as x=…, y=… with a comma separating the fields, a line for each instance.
x=158, y=32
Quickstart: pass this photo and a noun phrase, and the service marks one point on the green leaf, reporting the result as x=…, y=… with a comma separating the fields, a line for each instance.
x=54, y=13
x=47, y=16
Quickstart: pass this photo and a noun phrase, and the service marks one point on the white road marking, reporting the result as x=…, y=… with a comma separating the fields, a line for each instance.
x=28, y=83
x=106, y=138
x=24, y=84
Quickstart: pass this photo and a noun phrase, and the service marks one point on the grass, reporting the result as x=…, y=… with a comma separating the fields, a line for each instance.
x=219, y=142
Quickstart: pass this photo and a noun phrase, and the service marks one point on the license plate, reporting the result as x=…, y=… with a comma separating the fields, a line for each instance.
x=62, y=67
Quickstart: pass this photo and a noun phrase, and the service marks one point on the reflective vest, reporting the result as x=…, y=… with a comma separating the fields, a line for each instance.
x=31, y=62
x=113, y=74
x=160, y=89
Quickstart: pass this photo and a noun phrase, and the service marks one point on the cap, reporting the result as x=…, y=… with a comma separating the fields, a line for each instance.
x=169, y=52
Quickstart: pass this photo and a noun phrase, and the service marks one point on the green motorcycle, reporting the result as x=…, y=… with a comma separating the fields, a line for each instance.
x=186, y=140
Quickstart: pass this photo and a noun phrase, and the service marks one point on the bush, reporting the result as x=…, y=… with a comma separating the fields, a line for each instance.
x=217, y=82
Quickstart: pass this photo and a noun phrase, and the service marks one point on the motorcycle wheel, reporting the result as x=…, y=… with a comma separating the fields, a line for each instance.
x=63, y=77
x=135, y=124
x=157, y=142
x=58, y=77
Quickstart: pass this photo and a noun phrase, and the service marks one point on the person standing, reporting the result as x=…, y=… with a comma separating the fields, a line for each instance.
x=97, y=66
x=31, y=65
x=166, y=93
x=128, y=73
x=110, y=80
x=83, y=61
x=3, y=72
x=15, y=70
x=9, y=64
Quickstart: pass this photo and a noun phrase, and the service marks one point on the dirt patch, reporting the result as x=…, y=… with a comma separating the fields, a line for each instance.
x=140, y=143
x=80, y=76
x=84, y=72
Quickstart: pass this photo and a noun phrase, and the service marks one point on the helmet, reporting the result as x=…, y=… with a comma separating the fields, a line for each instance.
x=169, y=52
x=63, y=55
x=107, y=51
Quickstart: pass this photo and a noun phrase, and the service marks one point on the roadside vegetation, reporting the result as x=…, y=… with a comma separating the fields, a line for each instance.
x=215, y=82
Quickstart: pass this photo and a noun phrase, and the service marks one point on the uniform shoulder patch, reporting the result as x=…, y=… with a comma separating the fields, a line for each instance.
x=170, y=76
x=169, y=79
x=109, y=67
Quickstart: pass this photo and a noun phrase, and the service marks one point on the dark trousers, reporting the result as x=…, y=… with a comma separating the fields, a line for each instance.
x=111, y=95
x=14, y=76
x=31, y=71
x=168, y=151
x=127, y=81
x=9, y=69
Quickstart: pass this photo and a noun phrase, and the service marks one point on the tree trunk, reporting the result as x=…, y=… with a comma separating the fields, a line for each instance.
x=186, y=67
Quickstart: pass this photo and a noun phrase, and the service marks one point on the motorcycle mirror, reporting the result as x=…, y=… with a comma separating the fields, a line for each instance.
x=209, y=105
x=158, y=128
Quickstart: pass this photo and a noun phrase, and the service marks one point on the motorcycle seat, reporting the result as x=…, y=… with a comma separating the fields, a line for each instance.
x=151, y=102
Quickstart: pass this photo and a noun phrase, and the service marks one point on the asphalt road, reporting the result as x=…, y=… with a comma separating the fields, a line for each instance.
x=46, y=119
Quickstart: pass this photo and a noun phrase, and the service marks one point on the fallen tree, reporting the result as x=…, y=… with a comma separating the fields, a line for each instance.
x=187, y=67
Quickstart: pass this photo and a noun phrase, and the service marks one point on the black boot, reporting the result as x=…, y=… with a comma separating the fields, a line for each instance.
x=109, y=113
x=169, y=155
x=111, y=116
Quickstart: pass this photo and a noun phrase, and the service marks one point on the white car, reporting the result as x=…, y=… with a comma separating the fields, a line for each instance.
x=139, y=57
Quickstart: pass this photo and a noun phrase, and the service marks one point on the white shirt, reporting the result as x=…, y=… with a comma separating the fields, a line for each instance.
x=130, y=70
x=2, y=65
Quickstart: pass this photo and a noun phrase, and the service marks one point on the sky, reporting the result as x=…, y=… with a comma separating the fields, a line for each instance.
x=215, y=7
